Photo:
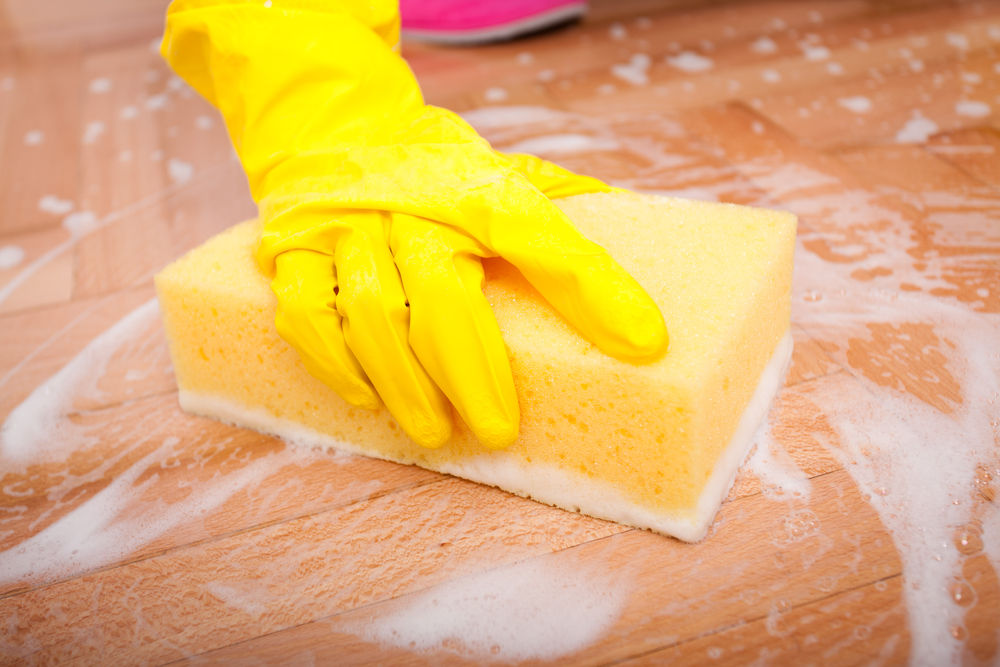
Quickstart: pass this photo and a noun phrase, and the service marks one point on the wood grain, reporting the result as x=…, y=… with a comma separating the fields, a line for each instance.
x=133, y=533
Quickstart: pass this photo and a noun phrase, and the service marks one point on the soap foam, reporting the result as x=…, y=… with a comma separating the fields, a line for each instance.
x=179, y=171
x=857, y=103
x=534, y=609
x=100, y=85
x=156, y=102
x=917, y=467
x=495, y=94
x=764, y=45
x=488, y=118
x=771, y=75
x=917, y=460
x=957, y=40
x=814, y=52
x=636, y=71
x=54, y=205
x=36, y=430
x=10, y=256
x=80, y=223
x=562, y=143
x=972, y=108
x=118, y=519
x=917, y=130
x=93, y=131
x=689, y=61
x=780, y=477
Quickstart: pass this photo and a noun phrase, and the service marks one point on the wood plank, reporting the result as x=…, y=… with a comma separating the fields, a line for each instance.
x=677, y=592
x=955, y=228
x=288, y=573
x=40, y=136
x=975, y=151
x=141, y=478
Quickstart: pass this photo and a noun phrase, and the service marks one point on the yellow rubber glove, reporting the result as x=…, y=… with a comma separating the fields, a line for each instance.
x=377, y=210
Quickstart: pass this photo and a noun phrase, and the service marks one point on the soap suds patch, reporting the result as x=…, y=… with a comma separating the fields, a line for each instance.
x=916, y=131
x=636, y=71
x=814, y=52
x=764, y=45
x=10, y=256
x=80, y=223
x=156, y=102
x=179, y=171
x=780, y=477
x=117, y=519
x=689, y=61
x=535, y=609
x=54, y=205
x=36, y=430
x=915, y=457
x=972, y=109
x=488, y=118
x=957, y=40
x=100, y=85
x=857, y=103
x=562, y=143
x=93, y=131
x=495, y=94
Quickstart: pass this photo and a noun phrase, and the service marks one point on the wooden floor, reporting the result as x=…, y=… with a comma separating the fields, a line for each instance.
x=863, y=530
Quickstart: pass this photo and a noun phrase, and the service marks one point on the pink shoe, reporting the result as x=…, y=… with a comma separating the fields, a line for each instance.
x=480, y=21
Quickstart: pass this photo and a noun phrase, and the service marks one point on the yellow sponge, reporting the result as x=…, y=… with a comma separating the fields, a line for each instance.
x=653, y=446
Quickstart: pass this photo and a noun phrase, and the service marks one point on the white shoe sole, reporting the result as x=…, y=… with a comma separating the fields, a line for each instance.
x=502, y=32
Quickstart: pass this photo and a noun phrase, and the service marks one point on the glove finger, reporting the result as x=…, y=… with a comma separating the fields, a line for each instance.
x=452, y=328
x=306, y=286
x=581, y=281
x=553, y=180
x=376, y=326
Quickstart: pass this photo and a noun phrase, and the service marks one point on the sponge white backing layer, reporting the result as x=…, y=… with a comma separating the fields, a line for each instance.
x=547, y=483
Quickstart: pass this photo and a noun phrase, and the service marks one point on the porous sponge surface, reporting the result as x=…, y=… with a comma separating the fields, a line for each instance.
x=650, y=435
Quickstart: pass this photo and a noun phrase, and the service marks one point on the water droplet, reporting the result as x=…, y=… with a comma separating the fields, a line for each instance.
x=962, y=593
x=968, y=541
x=959, y=632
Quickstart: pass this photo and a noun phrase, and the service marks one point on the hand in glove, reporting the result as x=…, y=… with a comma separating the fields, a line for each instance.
x=377, y=210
